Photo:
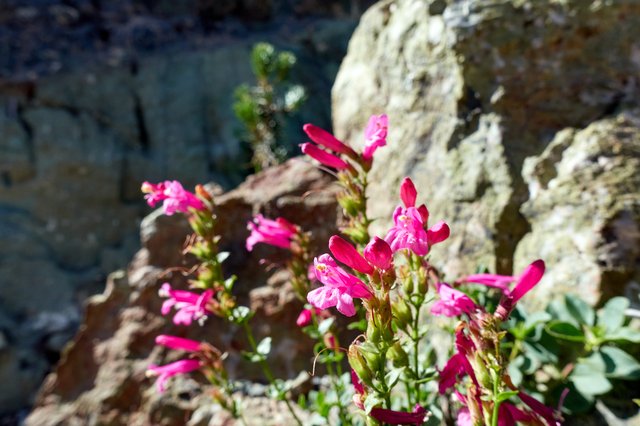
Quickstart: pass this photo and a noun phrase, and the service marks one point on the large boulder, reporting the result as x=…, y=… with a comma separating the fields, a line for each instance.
x=101, y=376
x=98, y=96
x=472, y=88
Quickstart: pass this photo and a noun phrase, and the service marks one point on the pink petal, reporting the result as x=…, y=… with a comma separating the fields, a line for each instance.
x=438, y=233
x=323, y=157
x=345, y=305
x=529, y=278
x=326, y=139
x=347, y=254
x=408, y=193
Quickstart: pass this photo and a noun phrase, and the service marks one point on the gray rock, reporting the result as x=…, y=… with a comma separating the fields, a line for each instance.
x=584, y=210
x=472, y=88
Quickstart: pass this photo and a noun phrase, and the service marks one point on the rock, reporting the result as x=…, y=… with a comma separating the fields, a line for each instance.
x=472, y=88
x=115, y=344
x=127, y=91
x=584, y=210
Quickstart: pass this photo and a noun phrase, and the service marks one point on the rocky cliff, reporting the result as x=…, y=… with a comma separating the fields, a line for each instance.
x=98, y=96
x=517, y=121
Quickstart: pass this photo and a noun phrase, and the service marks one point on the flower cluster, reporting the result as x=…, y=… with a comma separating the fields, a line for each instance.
x=173, y=196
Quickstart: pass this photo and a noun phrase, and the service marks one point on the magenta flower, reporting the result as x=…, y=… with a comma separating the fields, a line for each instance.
x=491, y=280
x=408, y=193
x=375, y=135
x=529, y=278
x=347, y=254
x=165, y=372
x=438, y=233
x=326, y=139
x=452, y=302
x=408, y=231
x=277, y=232
x=378, y=253
x=464, y=417
x=340, y=287
x=178, y=343
x=323, y=157
x=189, y=306
x=173, y=196
x=305, y=317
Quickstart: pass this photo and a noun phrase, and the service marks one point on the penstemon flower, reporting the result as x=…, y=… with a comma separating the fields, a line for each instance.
x=340, y=287
x=189, y=306
x=173, y=196
x=278, y=233
x=452, y=302
x=178, y=343
x=375, y=135
x=165, y=372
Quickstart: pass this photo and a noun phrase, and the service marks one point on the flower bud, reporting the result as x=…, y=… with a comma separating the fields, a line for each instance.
x=408, y=192
x=378, y=253
x=347, y=254
x=323, y=157
x=407, y=284
x=481, y=372
x=326, y=139
x=402, y=313
x=397, y=355
x=359, y=364
x=371, y=355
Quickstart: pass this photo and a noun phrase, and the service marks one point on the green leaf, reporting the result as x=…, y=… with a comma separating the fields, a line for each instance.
x=503, y=396
x=619, y=364
x=392, y=377
x=565, y=330
x=536, y=318
x=325, y=325
x=229, y=282
x=611, y=316
x=580, y=310
x=624, y=334
x=264, y=347
x=589, y=381
x=371, y=401
x=514, y=370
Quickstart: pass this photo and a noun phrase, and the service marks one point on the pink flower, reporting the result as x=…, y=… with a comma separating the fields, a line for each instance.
x=340, y=287
x=164, y=372
x=305, y=317
x=438, y=233
x=510, y=415
x=452, y=302
x=408, y=231
x=408, y=192
x=178, y=343
x=378, y=253
x=375, y=135
x=323, y=157
x=277, y=232
x=528, y=279
x=189, y=306
x=347, y=254
x=464, y=417
x=326, y=139
x=173, y=196
x=491, y=280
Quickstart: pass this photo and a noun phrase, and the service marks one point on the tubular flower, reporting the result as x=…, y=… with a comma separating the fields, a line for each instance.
x=325, y=139
x=340, y=287
x=408, y=231
x=277, y=232
x=178, y=343
x=347, y=254
x=378, y=253
x=452, y=302
x=165, y=372
x=408, y=192
x=323, y=157
x=173, y=196
x=375, y=135
x=529, y=278
x=189, y=306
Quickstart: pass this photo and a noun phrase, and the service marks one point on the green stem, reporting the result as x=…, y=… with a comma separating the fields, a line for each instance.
x=496, y=405
x=416, y=343
x=267, y=371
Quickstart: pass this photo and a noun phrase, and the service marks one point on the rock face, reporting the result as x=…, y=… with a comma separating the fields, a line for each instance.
x=98, y=96
x=100, y=378
x=472, y=88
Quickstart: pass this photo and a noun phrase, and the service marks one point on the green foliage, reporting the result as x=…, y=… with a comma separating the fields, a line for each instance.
x=263, y=107
x=570, y=346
